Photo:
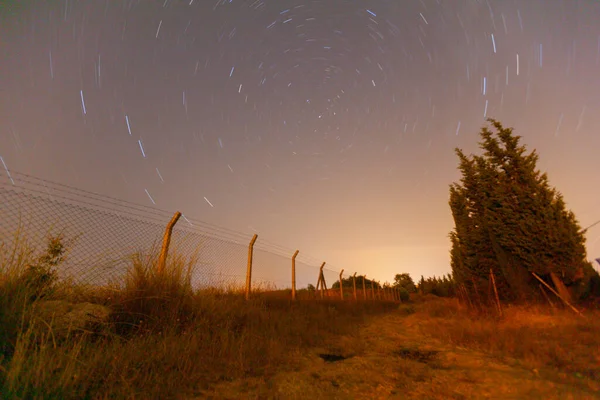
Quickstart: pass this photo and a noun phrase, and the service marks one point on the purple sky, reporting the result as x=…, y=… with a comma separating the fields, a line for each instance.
x=327, y=126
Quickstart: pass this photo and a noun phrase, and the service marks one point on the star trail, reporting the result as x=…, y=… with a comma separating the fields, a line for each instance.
x=326, y=125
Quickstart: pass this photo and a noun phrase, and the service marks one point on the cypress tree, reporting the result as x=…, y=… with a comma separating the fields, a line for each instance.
x=509, y=220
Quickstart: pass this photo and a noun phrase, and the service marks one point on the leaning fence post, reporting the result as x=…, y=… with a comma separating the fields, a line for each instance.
x=354, y=283
x=558, y=295
x=249, y=269
x=318, y=282
x=294, y=275
x=322, y=280
x=498, y=305
x=162, y=259
x=341, y=285
x=364, y=287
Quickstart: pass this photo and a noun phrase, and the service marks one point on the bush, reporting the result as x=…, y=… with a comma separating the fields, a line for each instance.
x=404, y=295
x=23, y=280
x=40, y=277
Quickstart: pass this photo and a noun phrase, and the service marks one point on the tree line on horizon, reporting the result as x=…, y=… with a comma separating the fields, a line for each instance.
x=443, y=286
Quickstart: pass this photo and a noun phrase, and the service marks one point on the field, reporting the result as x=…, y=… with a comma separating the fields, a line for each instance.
x=162, y=340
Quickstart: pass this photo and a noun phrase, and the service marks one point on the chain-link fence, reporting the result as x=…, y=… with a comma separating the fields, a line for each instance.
x=103, y=234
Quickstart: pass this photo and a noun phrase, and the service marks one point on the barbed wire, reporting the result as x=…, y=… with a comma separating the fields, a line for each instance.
x=105, y=233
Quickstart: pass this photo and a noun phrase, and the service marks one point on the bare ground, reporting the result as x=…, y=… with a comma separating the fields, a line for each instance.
x=392, y=357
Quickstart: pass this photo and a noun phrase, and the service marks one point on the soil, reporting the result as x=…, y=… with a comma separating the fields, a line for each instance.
x=390, y=358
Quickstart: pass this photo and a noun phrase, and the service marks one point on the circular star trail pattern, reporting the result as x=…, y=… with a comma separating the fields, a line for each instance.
x=325, y=125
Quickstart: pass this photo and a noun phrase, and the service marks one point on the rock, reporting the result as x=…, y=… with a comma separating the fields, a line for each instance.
x=65, y=317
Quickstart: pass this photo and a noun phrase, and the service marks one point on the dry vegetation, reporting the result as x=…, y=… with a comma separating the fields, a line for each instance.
x=164, y=340
x=432, y=348
x=555, y=340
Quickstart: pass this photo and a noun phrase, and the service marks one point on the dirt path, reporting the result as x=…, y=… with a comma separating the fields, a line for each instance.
x=390, y=359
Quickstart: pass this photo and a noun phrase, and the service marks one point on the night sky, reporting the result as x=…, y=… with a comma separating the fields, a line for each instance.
x=324, y=125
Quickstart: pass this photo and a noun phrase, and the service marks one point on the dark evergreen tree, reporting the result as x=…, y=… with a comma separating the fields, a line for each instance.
x=509, y=220
x=443, y=287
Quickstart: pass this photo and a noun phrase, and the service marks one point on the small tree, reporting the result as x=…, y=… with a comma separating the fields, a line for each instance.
x=405, y=281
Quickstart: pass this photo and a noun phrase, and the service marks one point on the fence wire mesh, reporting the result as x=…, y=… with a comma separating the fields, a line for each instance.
x=103, y=234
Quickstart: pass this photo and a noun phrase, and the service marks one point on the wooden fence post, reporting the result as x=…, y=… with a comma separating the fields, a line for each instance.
x=546, y=296
x=498, y=305
x=354, y=282
x=294, y=274
x=322, y=281
x=372, y=290
x=317, y=288
x=341, y=285
x=162, y=259
x=249, y=269
x=561, y=288
x=558, y=295
x=364, y=287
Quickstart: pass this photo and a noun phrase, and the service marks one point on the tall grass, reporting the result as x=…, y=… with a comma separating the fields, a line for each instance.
x=538, y=336
x=162, y=340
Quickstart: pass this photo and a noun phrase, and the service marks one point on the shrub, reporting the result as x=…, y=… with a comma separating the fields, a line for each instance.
x=40, y=277
x=404, y=295
x=25, y=279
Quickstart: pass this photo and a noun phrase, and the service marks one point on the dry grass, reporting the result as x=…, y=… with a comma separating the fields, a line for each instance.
x=434, y=349
x=538, y=337
x=163, y=340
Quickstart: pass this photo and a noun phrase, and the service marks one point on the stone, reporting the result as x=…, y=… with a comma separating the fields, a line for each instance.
x=66, y=318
